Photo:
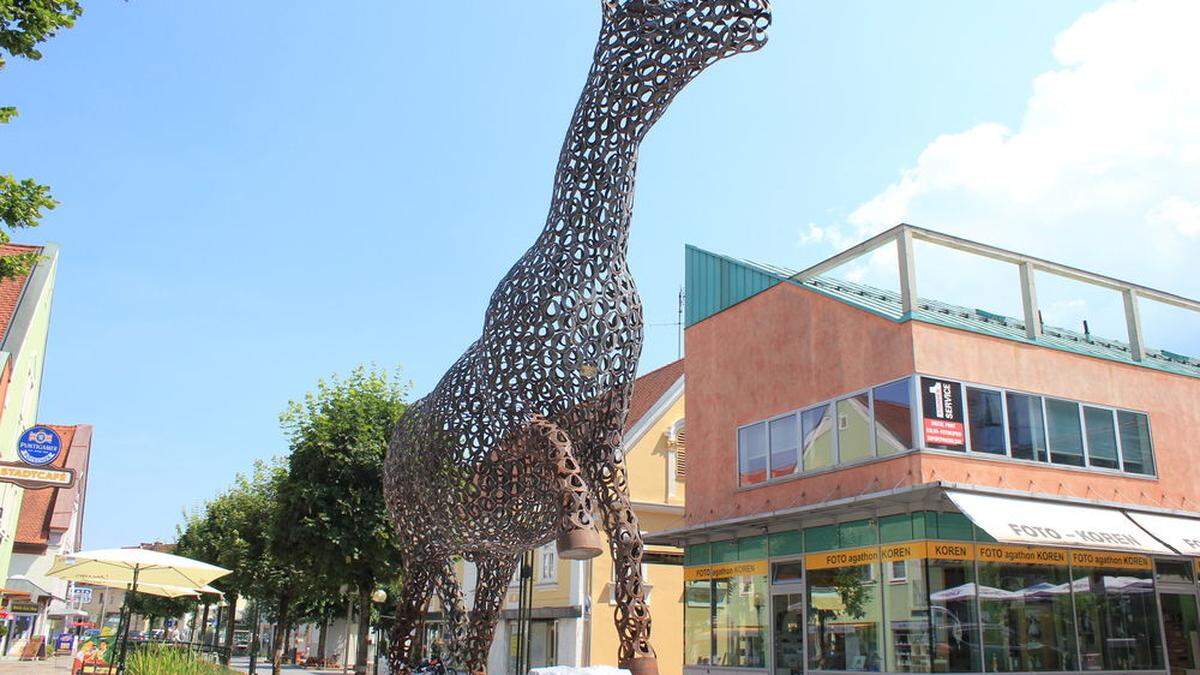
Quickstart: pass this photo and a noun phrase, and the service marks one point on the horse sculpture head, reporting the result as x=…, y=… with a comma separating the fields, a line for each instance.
x=650, y=49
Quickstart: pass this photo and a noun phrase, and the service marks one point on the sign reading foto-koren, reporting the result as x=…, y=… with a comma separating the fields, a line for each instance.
x=941, y=403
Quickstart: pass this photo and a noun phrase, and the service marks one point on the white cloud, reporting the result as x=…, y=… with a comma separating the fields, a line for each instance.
x=1103, y=171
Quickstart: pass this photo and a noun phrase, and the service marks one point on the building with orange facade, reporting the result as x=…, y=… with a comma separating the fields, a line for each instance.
x=884, y=482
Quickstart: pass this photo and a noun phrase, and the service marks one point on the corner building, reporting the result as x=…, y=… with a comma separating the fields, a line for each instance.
x=884, y=482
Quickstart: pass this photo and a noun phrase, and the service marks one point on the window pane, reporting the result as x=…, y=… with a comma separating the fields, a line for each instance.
x=784, y=438
x=741, y=621
x=843, y=618
x=1066, y=438
x=752, y=453
x=986, y=412
x=1101, y=437
x=952, y=609
x=697, y=623
x=1135, y=442
x=1028, y=623
x=1118, y=619
x=817, y=439
x=1026, y=427
x=854, y=429
x=893, y=418
x=907, y=620
x=787, y=573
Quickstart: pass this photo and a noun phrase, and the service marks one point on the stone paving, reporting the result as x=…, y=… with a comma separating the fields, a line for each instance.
x=58, y=664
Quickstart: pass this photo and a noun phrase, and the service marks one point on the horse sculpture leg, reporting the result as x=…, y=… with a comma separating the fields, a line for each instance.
x=494, y=575
x=625, y=543
x=410, y=614
x=578, y=539
x=449, y=593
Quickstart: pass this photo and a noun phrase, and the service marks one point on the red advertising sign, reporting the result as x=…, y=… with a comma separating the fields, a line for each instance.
x=941, y=432
x=942, y=413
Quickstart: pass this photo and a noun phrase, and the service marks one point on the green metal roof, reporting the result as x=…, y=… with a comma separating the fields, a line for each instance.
x=715, y=283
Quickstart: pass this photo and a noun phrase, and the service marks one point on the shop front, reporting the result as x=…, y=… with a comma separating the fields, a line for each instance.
x=932, y=592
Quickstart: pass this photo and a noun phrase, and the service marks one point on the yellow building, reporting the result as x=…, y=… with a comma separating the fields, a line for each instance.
x=573, y=604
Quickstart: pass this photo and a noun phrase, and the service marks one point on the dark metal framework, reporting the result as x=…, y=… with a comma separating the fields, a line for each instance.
x=520, y=442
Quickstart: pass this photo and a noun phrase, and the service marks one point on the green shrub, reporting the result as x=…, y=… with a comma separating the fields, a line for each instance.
x=165, y=660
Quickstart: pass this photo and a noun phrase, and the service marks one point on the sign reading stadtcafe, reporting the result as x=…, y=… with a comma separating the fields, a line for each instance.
x=39, y=447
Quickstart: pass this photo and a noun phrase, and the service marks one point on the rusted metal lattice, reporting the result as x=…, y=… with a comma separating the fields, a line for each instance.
x=520, y=442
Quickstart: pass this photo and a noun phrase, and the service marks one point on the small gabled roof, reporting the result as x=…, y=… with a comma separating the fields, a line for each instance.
x=716, y=283
x=13, y=288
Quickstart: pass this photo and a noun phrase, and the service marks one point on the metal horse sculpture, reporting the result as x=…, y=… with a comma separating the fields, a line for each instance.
x=520, y=442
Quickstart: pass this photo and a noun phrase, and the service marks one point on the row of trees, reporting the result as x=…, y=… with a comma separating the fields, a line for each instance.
x=303, y=532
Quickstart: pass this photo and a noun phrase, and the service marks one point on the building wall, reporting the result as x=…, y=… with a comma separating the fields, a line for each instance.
x=789, y=347
x=20, y=407
x=1169, y=399
x=777, y=351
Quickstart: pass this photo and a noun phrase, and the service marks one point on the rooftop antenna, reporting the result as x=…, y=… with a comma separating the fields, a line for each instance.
x=679, y=319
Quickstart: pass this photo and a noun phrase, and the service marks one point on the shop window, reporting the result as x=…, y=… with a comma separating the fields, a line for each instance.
x=786, y=543
x=1064, y=433
x=1135, y=442
x=896, y=528
x=784, y=437
x=906, y=622
x=788, y=609
x=985, y=410
x=697, y=554
x=543, y=643
x=725, y=551
x=1026, y=427
x=954, y=626
x=787, y=573
x=1173, y=571
x=752, y=454
x=740, y=621
x=1101, y=437
x=854, y=428
x=1028, y=623
x=844, y=615
x=893, y=418
x=1117, y=618
x=857, y=533
x=817, y=449
x=697, y=623
x=821, y=538
x=752, y=548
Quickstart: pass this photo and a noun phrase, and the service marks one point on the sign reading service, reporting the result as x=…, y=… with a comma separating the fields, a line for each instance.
x=942, y=417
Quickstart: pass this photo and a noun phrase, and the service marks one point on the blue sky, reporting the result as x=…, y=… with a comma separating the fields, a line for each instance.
x=255, y=195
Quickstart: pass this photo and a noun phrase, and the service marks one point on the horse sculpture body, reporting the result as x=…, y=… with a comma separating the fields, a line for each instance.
x=520, y=442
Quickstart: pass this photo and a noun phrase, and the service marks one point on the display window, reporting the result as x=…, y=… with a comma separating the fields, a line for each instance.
x=1117, y=613
x=845, y=610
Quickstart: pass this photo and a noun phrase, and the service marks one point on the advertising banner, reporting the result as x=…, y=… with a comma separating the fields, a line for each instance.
x=942, y=414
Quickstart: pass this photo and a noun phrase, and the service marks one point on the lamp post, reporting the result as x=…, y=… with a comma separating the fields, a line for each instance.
x=379, y=597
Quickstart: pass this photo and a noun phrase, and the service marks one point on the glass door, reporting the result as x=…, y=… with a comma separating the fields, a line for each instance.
x=787, y=611
x=1182, y=632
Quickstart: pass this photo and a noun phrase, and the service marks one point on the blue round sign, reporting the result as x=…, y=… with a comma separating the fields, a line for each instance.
x=39, y=446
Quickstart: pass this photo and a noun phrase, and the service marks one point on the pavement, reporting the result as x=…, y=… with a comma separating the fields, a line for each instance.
x=57, y=664
x=241, y=664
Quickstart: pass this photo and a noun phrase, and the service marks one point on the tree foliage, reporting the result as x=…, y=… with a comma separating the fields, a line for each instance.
x=25, y=24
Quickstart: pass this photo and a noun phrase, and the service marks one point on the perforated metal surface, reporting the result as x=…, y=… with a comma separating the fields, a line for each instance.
x=520, y=442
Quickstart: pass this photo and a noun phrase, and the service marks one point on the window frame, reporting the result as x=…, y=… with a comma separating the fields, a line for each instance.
x=917, y=438
x=1081, y=404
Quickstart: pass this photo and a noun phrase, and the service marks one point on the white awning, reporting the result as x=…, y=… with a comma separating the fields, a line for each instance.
x=1044, y=523
x=1181, y=534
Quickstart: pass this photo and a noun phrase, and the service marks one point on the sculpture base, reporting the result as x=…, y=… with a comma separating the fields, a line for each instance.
x=580, y=545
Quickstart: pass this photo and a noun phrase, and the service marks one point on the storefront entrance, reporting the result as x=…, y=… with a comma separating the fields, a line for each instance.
x=1180, y=616
x=787, y=618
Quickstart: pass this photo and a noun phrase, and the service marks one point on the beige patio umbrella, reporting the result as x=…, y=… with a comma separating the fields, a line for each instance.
x=132, y=567
x=161, y=590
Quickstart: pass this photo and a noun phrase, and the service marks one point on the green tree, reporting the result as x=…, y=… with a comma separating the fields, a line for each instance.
x=157, y=607
x=337, y=524
x=25, y=24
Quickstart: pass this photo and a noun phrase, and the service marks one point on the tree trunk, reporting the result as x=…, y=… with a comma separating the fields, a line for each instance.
x=364, y=630
x=254, y=641
x=280, y=636
x=204, y=624
x=229, y=627
x=321, y=637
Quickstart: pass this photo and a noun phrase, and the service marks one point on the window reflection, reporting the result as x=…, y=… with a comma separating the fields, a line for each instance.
x=697, y=623
x=1028, y=624
x=955, y=625
x=817, y=437
x=1101, y=437
x=906, y=622
x=1066, y=438
x=752, y=453
x=784, y=438
x=854, y=428
x=1118, y=619
x=740, y=621
x=843, y=619
x=893, y=418
x=1135, y=442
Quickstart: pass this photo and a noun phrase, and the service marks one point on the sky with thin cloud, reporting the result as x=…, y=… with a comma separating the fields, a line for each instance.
x=256, y=195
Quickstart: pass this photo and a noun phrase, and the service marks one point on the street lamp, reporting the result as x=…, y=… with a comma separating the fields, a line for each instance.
x=379, y=597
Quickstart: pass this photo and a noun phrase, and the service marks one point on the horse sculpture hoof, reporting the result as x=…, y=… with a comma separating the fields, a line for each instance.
x=580, y=545
x=645, y=665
